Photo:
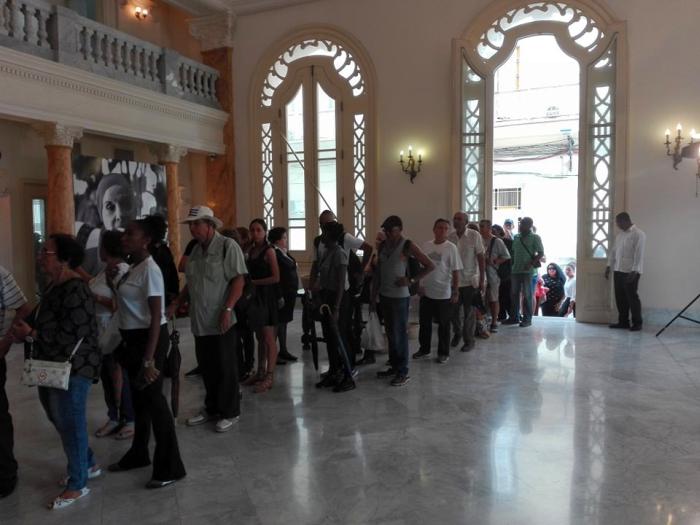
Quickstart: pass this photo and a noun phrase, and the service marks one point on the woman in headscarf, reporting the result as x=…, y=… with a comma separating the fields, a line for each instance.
x=554, y=283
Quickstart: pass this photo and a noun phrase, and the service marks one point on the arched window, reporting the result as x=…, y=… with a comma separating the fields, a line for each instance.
x=313, y=130
x=586, y=31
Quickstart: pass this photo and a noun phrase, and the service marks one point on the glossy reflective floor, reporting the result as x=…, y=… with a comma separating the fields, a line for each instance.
x=560, y=423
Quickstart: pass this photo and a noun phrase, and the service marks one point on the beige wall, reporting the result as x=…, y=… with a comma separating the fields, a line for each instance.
x=409, y=42
x=23, y=168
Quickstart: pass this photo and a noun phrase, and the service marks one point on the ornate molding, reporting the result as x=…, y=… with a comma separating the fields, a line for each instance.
x=169, y=153
x=55, y=134
x=214, y=31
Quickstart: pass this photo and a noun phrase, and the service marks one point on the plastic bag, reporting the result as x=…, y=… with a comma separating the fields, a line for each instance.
x=373, y=335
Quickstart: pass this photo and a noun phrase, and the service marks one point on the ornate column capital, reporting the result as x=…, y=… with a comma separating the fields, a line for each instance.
x=214, y=31
x=55, y=134
x=169, y=153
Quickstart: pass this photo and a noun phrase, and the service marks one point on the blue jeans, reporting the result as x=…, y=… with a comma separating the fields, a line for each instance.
x=66, y=410
x=521, y=282
x=395, y=312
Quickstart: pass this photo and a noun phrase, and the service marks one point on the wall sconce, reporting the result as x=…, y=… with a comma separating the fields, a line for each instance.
x=689, y=151
x=141, y=13
x=410, y=167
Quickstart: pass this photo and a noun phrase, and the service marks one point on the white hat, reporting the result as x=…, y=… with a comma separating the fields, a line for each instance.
x=202, y=213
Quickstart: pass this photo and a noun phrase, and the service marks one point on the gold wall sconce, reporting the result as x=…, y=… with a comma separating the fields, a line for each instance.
x=141, y=12
x=410, y=166
x=678, y=152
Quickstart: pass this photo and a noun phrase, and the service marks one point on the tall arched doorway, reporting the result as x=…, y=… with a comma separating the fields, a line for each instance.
x=312, y=109
x=587, y=32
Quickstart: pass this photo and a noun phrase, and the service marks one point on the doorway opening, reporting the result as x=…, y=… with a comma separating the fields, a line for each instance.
x=536, y=145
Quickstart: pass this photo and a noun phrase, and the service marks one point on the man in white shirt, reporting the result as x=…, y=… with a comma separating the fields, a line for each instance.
x=439, y=291
x=11, y=298
x=471, y=278
x=625, y=259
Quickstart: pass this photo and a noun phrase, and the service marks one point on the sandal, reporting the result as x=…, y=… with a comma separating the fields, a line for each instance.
x=253, y=379
x=108, y=428
x=264, y=385
x=126, y=432
x=93, y=472
x=60, y=502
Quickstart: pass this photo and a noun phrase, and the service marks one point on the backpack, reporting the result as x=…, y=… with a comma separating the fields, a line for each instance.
x=356, y=274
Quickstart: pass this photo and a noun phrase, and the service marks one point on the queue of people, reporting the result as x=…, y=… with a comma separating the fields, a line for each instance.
x=242, y=286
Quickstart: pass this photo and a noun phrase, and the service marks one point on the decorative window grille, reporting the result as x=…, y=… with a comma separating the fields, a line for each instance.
x=473, y=142
x=507, y=198
x=301, y=177
x=601, y=151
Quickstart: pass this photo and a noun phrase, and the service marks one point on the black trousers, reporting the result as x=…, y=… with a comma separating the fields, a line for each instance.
x=627, y=299
x=150, y=410
x=430, y=310
x=218, y=361
x=504, y=298
x=335, y=359
x=8, y=465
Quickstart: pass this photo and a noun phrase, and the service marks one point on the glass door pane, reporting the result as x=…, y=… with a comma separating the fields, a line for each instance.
x=327, y=152
x=38, y=239
x=296, y=196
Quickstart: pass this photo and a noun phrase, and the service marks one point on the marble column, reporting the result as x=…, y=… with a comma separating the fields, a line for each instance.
x=60, y=203
x=198, y=178
x=170, y=156
x=215, y=33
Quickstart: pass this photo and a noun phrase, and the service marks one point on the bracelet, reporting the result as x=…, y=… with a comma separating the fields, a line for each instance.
x=149, y=363
x=228, y=309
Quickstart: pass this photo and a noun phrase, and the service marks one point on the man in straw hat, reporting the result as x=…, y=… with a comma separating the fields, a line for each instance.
x=215, y=276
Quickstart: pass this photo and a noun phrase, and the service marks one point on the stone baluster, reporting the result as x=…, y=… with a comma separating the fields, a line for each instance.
x=106, y=49
x=152, y=71
x=31, y=28
x=94, y=45
x=16, y=20
x=4, y=18
x=116, y=54
x=43, y=20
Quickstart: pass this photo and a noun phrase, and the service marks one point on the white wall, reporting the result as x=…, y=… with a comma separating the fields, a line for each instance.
x=409, y=42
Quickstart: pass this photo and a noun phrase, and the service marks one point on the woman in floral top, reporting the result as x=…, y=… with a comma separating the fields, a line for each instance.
x=64, y=320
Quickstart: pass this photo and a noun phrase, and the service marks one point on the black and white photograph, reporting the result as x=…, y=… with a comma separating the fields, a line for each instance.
x=108, y=194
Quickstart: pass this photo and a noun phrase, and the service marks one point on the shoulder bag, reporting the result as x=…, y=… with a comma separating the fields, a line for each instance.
x=535, y=262
x=52, y=374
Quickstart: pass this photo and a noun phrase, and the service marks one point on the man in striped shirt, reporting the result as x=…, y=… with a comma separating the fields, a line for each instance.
x=11, y=298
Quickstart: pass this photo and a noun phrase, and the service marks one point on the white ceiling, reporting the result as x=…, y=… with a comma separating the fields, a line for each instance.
x=240, y=7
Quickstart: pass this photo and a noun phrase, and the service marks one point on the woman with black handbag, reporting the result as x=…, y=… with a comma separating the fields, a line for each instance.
x=263, y=308
x=141, y=310
x=63, y=329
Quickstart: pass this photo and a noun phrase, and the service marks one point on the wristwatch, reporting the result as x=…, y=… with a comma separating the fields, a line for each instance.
x=228, y=309
x=29, y=339
x=412, y=281
x=149, y=363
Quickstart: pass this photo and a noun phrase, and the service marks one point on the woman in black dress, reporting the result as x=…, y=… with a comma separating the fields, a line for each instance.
x=289, y=287
x=554, y=283
x=263, y=309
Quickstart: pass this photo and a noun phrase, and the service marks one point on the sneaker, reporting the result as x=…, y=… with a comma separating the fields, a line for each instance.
x=390, y=372
x=525, y=324
x=93, y=472
x=400, y=380
x=344, y=385
x=467, y=348
x=493, y=328
x=199, y=419
x=636, y=328
x=455, y=340
x=620, y=326
x=421, y=354
x=355, y=372
x=368, y=358
x=110, y=427
x=510, y=321
x=442, y=359
x=225, y=424
x=326, y=381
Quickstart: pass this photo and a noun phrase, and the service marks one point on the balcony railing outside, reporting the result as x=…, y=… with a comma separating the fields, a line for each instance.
x=59, y=34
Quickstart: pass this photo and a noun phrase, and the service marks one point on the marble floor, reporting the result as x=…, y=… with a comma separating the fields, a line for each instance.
x=560, y=423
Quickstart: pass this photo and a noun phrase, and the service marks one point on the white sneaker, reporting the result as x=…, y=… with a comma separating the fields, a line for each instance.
x=224, y=425
x=199, y=419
